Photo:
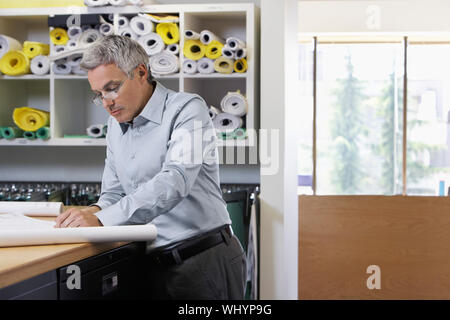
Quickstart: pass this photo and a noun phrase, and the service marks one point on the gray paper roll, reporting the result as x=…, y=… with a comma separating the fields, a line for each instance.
x=40, y=65
x=226, y=123
x=61, y=67
x=152, y=43
x=189, y=66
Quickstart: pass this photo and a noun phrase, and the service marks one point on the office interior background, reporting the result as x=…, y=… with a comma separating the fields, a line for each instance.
x=357, y=93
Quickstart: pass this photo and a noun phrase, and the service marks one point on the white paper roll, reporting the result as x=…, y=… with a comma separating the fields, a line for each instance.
x=106, y=29
x=234, y=43
x=88, y=37
x=95, y=3
x=164, y=63
x=141, y=26
x=205, y=66
x=85, y=27
x=226, y=123
x=77, y=70
x=234, y=103
x=207, y=36
x=40, y=65
x=31, y=208
x=8, y=44
x=50, y=235
x=227, y=52
x=128, y=32
x=74, y=60
x=96, y=131
x=189, y=66
x=213, y=112
x=241, y=53
x=117, y=2
x=61, y=67
x=189, y=34
x=72, y=44
x=152, y=43
x=135, y=2
x=59, y=49
x=123, y=22
x=74, y=32
x=173, y=48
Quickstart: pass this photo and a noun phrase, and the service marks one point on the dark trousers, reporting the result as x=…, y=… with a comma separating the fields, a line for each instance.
x=216, y=273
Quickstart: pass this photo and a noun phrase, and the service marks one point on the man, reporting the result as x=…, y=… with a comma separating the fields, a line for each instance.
x=158, y=171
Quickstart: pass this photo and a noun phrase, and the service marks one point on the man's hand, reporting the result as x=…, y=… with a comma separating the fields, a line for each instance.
x=75, y=217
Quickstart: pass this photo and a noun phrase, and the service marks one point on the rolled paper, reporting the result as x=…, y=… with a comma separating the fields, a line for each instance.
x=95, y=3
x=241, y=53
x=224, y=65
x=128, y=32
x=141, y=26
x=85, y=27
x=206, y=37
x=234, y=103
x=117, y=2
x=74, y=60
x=40, y=65
x=61, y=67
x=240, y=65
x=30, y=119
x=160, y=17
x=228, y=53
x=59, y=49
x=123, y=22
x=8, y=44
x=234, y=43
x=59, y=36
x=205, y=66
x=173, y=48
x=33, y=49
x=95, y=131
x=106, y=29
x=194, y=49
x=29, y=135
x=11, y=132
x=189, y=34
x=189, y=66
x=214, y=50
x=72, y=44
x=15, y=63
x=135, y=2
x=213, y=112
x=240, y=133
x=169, y=32
x=164, y=63
x=43, y=133
x=152, y=43
x=74, y=32
x=78, y=70
x=88, y=37
x=226, y=123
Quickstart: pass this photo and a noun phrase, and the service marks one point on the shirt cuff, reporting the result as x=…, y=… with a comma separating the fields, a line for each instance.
x=112, y=216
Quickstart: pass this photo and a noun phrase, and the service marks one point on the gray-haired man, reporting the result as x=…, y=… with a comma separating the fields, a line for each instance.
x=158, y=170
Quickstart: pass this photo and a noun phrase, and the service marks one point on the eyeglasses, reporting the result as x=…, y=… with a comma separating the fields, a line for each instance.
x=111, y=94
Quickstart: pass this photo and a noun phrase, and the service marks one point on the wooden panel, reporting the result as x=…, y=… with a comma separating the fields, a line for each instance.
x=407, y=237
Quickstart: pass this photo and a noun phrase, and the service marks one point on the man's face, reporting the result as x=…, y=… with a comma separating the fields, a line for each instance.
x=126, y=101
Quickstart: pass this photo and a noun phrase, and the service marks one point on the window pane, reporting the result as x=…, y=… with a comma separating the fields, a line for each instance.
x=305, y=158
x=359, y=118
x=428, y=156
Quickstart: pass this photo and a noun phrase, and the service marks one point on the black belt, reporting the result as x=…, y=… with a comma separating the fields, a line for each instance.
x=190, y=248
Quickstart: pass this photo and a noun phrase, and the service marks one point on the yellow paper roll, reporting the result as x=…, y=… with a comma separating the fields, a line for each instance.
x=223, y=65
x=14, y=63
x=169, y=32
x=59, y=36
x=194, y=49
x=214, y=50
x=33, y=49
x=30, y=119
x=240, y=65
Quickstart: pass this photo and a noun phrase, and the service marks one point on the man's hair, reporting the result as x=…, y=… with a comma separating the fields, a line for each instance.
x=124, y=52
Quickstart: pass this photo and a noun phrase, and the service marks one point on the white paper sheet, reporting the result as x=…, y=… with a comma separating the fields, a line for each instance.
x=50, y=209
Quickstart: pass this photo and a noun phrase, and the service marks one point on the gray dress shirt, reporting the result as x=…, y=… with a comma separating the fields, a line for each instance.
x=163, y=168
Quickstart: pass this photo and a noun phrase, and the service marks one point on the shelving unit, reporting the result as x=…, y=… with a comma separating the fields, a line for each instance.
x=68, y=97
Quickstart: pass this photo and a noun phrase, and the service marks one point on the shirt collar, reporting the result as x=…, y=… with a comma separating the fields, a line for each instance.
x=153, y=110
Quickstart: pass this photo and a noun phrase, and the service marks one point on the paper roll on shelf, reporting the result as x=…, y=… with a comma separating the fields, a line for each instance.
x=189, y=34
x=43, y=133
x=128, y=32
x=241, y=53
x=106, y=29
x=214, y=50
x=123, y=22
x=8, y=44
x=30, y=119
x=224, y=65
x=194, y=49
x=60, y=48
x=74, y=32
x=29, y=135
x=61, y=67
x=88, y=37
x=14, y=63
x=164, y=63
x=205, y=66
x=78, y=70
x=33, y=49
x=240, y=66
x=234, y=43
x=59, y=36
x=72, y=44
x=51, y=209
x=189, y=66
x=40, y=65
x=226, y=123
x=213, y=112
x=96, y=131
x=234, y=103
x=169, y=32
x=11, y=132
x=152, y=43
x=141, y=26
x=206, y=37
x=228, y=53
x=74, y=60
x=173, y=48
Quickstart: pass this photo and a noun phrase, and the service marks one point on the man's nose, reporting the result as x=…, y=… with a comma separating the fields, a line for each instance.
x=107, y=103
